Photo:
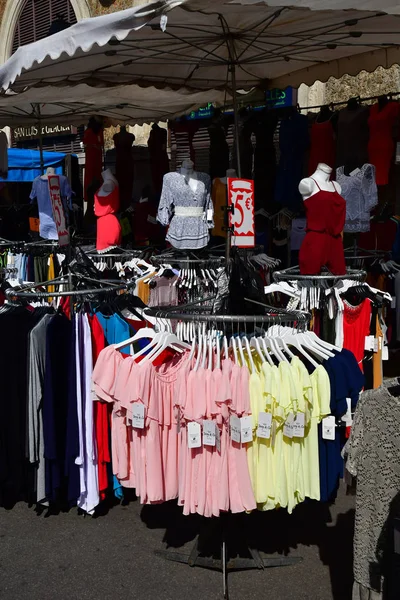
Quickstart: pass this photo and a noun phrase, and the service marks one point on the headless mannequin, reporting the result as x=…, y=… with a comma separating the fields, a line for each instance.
x=109, y=183
x=321, y=177
x=106, y=203
x=230, y=174
x=124, y=165
x=49, y=171
x=326, y=215
x=190, y=175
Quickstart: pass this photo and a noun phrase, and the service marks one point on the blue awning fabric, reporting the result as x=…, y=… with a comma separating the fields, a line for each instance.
x=24, y=165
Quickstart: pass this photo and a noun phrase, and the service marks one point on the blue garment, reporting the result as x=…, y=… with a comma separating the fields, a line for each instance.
x=346, y=381
x=115, y=330
x=56, y=403
x=40, y=191
x=293, y=142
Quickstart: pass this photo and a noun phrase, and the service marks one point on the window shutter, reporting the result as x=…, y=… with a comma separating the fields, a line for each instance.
x=36, y=17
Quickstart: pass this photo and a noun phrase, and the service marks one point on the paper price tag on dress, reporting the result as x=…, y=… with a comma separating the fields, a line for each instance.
x=138, y=416
x=209, y=428
x=235, y=429
x=246, y=429
x=298, y=425
x=288, y=426
x=194, y=435
x=264, y=425
x=328, y=428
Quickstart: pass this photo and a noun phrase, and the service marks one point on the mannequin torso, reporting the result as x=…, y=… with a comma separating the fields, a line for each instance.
x=230, y=174
x=109, y=183
x=189, y=174
x=320, y=180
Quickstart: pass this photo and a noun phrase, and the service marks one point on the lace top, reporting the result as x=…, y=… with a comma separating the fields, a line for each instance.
x=186, y=231
x=361, y=195
x=373, y=456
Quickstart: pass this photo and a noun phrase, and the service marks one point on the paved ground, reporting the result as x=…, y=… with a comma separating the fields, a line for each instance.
x=67, y=556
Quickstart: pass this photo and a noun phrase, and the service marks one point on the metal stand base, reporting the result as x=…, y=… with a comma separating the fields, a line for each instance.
x=225, y=564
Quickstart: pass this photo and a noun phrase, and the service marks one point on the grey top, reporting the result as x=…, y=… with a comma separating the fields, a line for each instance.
x=186, y=232
x=361, y=195
x=373, y=456
x=36, y=369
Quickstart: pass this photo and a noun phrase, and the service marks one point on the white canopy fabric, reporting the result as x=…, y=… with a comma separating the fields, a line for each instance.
x=267, y=41
x=129, y=104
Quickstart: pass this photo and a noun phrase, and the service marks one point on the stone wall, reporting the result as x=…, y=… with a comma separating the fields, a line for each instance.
x=101, y=7
x=381, y=81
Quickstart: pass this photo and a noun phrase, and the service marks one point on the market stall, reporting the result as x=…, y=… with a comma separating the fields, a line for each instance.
x=230, y=389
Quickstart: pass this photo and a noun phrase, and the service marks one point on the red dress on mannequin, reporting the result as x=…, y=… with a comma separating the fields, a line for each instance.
x=323, y=244
x=108, y=227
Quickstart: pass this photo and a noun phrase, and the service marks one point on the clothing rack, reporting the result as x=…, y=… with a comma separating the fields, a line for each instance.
x=74, y=279
x=342, y=102
x=293, y=273
x=224, y=526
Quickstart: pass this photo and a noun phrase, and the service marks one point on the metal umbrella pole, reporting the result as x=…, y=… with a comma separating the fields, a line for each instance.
x=39, y=116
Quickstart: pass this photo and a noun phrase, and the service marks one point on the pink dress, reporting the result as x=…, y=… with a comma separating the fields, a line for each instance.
x=240, y=489
x=105, y=375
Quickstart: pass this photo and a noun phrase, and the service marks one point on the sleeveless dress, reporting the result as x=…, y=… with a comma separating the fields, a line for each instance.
x=323, y=245
x=108, y=227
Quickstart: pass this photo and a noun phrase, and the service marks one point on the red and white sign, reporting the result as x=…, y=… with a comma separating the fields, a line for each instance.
x=58, y=209
x=241, y=196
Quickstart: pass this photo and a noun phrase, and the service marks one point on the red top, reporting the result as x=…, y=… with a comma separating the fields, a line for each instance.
x=356, y=325
x=323, y=146
x=106, y=205
x=325, y=211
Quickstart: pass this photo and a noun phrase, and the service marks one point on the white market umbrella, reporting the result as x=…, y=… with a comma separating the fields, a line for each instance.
x=128, y=104
x=192, y=44
x=210, y=45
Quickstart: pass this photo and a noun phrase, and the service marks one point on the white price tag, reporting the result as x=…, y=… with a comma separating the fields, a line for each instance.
x=288, y=426
x=264, y=425
x=347, y=417
x=369, y=343
x=246, y=429
x=328, y=428
x=209, y=435
x=209, y=214
x=93, y=395
x=385, y=353
x=217, y=438
x=194, y=435
x=235, y=428
x=138, y=416
x=376, y=344
x=298, y=425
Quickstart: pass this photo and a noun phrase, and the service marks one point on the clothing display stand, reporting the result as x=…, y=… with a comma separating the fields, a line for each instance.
x=293, y=274
x=223, y=526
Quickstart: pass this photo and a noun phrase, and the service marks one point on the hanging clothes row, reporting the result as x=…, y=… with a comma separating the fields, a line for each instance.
x=350, y=314
x=226, y=422
x=48, y=441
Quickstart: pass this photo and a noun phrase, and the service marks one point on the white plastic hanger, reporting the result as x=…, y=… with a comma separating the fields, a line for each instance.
x=253, y=367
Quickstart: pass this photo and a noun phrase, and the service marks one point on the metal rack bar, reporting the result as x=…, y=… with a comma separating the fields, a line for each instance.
x=293, y=273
